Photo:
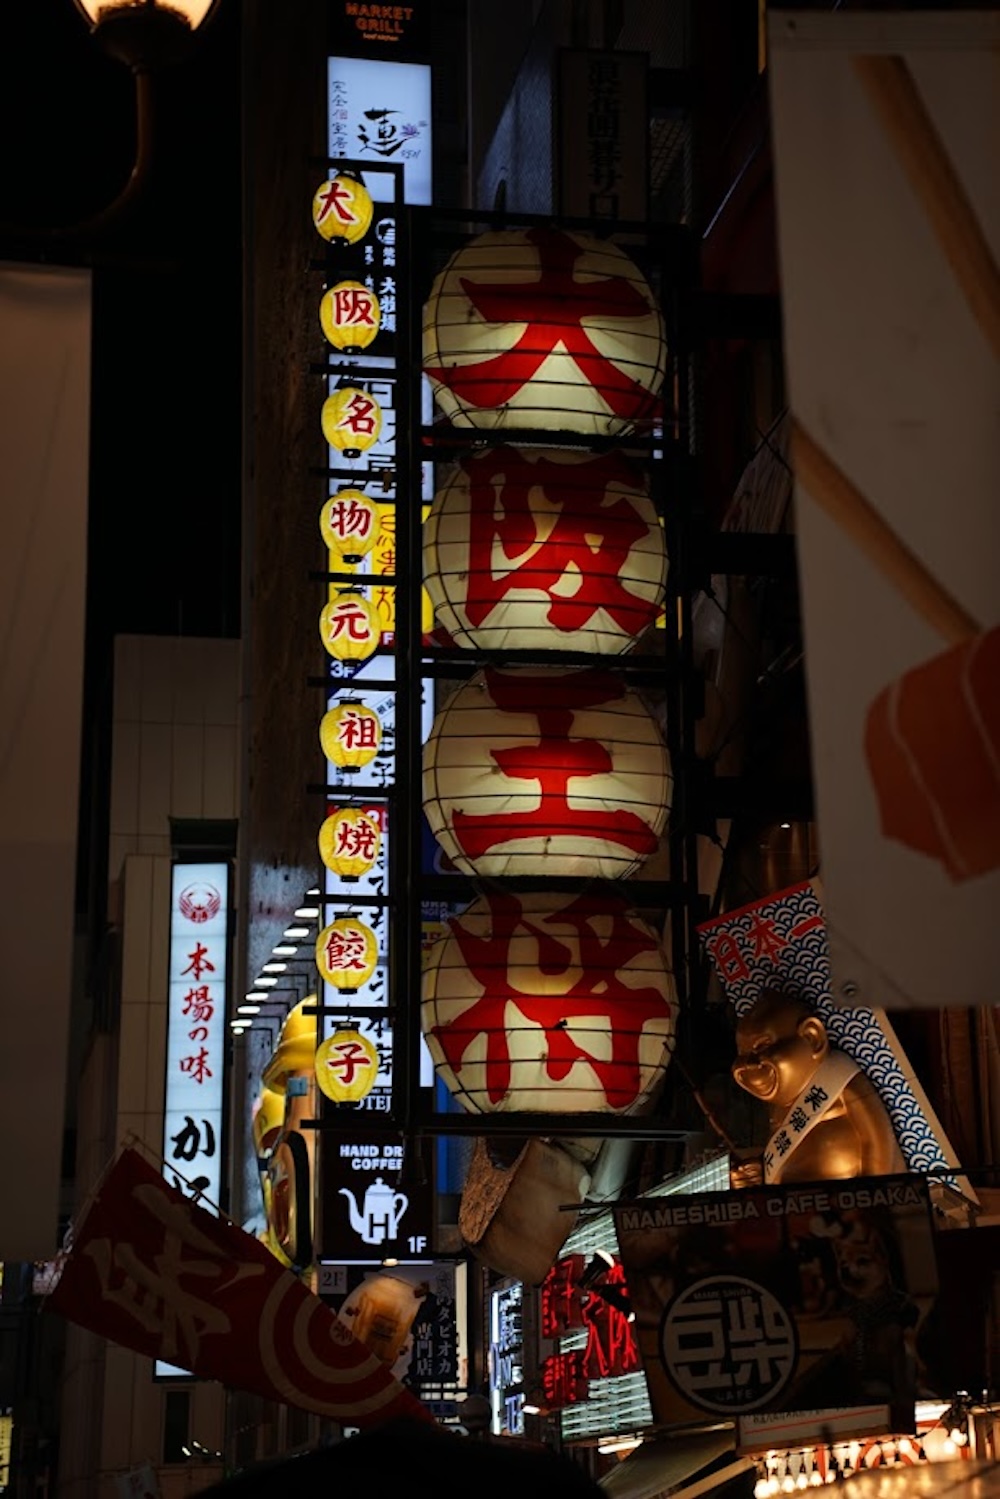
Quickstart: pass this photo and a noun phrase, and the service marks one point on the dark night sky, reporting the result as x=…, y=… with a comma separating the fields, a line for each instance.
x=165, y=456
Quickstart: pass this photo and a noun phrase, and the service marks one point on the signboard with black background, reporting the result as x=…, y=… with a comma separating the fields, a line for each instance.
x=390, y=33
x=785, y=1298
x=407, y=1314
x=366, y=1211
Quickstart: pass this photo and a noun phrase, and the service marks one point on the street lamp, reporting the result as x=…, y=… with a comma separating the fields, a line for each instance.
x=145, y=35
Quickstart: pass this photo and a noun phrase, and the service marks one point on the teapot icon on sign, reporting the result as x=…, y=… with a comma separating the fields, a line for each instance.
x=379, y=1216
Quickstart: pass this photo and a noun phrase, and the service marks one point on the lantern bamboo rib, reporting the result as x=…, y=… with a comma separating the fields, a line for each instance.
x=830, y=487
x=895, y=98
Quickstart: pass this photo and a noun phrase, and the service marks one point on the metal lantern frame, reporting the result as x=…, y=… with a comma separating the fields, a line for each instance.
x=667, y=255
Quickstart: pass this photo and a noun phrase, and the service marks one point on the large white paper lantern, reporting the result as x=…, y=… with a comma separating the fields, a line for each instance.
x=542, y=330
x=538, y=771
x=544, y=549
x=549, y=1003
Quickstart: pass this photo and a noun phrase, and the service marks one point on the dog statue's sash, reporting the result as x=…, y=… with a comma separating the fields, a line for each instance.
x=817, y=1097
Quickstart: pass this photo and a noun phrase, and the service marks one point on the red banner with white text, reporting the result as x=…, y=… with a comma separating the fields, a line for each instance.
x=151, y=1270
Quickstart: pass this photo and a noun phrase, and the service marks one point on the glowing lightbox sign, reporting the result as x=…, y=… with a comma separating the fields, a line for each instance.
x=378, y=123
x=380, y=112
x=506, y=1365
x=6, y=1446
x=196, y=1019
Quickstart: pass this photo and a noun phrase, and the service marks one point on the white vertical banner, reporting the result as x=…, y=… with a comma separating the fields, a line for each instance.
x=196, y=1028
x=45, y=352
x=889, y=237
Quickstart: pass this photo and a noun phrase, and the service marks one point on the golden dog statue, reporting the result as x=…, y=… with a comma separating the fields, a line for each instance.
x=827, y=1119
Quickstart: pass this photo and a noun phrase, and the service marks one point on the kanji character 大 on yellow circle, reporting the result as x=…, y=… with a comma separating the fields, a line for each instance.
x=342, y=209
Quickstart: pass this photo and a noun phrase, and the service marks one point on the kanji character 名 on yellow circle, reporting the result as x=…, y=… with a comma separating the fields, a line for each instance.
x=351, y=421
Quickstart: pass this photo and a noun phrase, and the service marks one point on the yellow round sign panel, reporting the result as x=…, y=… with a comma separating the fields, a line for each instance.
x=351, y=735
x=351, y=420
x=346, y=1066
x=349, y=842
x=350, y=627
x=342, y=209
x=349, y=524
x=346, y=953
x=350, y=315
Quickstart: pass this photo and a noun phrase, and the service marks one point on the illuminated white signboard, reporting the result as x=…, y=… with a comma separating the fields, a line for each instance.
x=378, y=116
x=506, y=1360
x=196, y=1019
x=380, y=112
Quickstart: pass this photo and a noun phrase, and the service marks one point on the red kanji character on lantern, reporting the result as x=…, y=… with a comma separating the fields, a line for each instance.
x=359, y=840
x=552, y=764
x=351, y=1058
x=587, y=981
x=358, y=415
x=336, y=200
x=348, y=518
x=347, y=950
x=199, y=963
x=516, y=544
x=358, y=731
x=553, y=311
x=348, y=618
x=353, y=305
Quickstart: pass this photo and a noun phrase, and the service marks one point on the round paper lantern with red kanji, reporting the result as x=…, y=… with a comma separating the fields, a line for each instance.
x=349, y=524
x=351, y=420
x=346, y=1065
x=544, y=549
x=538, y=771
x=342, y=208
x=351, y=734
x=349, y=841
x=549, y=1003
x=347, y=953
x=350, y=627
x=350, y=315
x=547, y=331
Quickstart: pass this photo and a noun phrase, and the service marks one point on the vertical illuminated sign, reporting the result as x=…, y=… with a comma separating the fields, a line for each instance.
x=379, y=128
x=507, y=1360
x=379, y=113
x=6, y=1444
x=196, y=1019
